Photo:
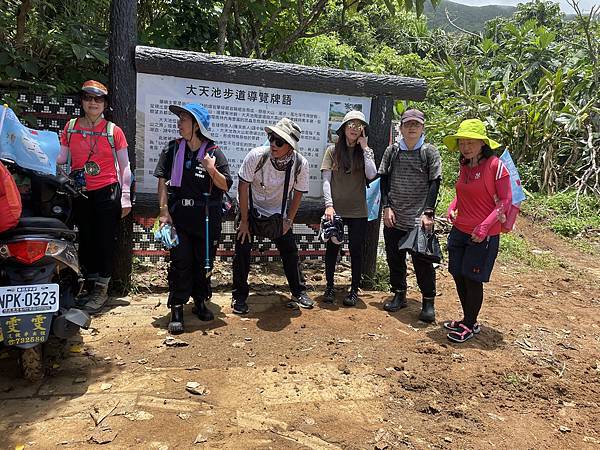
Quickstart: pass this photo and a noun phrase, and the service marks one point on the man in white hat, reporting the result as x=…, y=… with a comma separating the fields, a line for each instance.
x=266, y=178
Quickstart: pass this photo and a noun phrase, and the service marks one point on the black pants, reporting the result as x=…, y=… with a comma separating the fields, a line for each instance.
x=357, y=228
x=470, y=293
x=187, y=272
x=288, y=251
x=396, y=260
x=97, y=218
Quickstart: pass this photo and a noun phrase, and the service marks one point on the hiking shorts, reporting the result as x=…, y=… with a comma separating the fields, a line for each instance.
x=471, y=259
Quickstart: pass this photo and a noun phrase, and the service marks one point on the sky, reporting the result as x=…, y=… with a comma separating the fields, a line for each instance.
x=585, y=5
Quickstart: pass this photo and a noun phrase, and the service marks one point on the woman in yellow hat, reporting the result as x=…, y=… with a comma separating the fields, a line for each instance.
x=474, y=239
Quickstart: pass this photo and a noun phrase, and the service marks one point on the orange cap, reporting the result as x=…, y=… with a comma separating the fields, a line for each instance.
x=93, y=87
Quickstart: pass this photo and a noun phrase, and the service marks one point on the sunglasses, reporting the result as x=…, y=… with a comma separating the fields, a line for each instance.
x=276, y=140
x=356, y=126
x=93, y=98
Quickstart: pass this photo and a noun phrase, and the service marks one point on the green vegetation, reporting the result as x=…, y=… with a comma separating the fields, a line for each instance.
x=566, y=213
x=533, y=76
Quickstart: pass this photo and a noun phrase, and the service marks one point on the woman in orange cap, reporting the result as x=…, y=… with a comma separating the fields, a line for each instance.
x=97, y=152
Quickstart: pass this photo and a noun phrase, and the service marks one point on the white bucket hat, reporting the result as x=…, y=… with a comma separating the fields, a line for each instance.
x=353, y=115
x=286, y=130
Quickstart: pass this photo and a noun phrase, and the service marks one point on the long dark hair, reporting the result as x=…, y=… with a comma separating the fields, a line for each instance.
x=486, y=152
x=342, y=158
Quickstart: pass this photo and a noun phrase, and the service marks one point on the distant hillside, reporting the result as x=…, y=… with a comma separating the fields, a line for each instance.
x=471, y=18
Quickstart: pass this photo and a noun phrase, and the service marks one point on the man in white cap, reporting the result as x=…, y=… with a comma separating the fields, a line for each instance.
x=266, y=178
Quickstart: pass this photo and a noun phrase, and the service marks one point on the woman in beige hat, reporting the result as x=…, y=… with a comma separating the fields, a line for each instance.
x=346, y=167
x=474, y=239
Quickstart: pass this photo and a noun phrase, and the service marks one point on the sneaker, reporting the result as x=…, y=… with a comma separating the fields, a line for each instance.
x=303, y=301
x=454, y=326
x=329, y=295
x=239, y=306
x=351, y=299
x=462, y=336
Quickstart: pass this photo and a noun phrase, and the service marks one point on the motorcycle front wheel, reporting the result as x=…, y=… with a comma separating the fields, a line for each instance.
x=32, y=363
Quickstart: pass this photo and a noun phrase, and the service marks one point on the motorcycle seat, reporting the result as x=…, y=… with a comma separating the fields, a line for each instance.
x=41, y=222
x=44, y=226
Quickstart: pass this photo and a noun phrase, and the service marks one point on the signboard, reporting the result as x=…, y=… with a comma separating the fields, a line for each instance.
x=239, y=114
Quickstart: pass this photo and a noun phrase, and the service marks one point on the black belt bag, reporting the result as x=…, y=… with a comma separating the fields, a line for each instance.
x=270, y=227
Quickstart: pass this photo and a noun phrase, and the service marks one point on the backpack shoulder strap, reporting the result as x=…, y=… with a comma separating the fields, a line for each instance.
x=263, y=159
x=393, y=154
x=110, y=135
x=70, y=131
x=423, y=155
x=297, y=165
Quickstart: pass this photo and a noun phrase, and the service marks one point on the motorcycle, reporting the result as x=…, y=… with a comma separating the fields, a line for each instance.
x=40, y=276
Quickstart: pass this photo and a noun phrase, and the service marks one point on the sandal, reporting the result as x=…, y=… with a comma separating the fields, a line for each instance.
x=454, y=325
x=461, y=337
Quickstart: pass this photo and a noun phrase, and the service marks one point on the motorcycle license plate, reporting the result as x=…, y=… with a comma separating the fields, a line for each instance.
x=30, y=299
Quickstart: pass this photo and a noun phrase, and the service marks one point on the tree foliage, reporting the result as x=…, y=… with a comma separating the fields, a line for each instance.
x=533, y=77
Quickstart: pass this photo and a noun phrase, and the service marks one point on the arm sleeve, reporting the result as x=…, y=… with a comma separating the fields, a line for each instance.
x=327, y=188
x=64, y=146
x=124, y=177
x=385, y=180
x=432, y=194
x=370, y=168
x=452, y=206
x=120, y=140
x=504, y=194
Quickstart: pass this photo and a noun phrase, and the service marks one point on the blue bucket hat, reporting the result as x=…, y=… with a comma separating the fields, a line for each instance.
x=198, y=112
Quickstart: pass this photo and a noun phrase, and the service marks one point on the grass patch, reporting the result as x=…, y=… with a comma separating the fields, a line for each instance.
x=565, y=213
x=515, y=248
x=381, y=280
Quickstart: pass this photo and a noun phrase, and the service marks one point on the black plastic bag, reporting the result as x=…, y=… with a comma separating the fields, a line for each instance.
x=423, y=244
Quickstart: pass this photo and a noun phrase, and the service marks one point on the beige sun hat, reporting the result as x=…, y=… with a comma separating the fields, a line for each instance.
x=353, y=115
x=287, y=130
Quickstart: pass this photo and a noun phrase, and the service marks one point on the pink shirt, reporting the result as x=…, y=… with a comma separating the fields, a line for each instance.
x=475, y=204
x=97, y=149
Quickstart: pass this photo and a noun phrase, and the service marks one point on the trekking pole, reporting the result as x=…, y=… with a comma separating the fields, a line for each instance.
x=206, y=236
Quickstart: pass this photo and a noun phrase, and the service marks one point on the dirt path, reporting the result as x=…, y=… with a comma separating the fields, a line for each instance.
x=332, y=377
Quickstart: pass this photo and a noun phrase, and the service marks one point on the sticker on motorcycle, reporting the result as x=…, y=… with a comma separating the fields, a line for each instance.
x=25, y=329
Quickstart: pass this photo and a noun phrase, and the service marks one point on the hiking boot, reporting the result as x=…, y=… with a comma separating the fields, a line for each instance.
x=329, y=295
x=97, y=299
x=202, y=311
x=454, y=325
x=427, y=310
x=302, y=300
x=351, y=299
x=465, y=334
x=239, y=306
x=397, y=303
x=176, y=323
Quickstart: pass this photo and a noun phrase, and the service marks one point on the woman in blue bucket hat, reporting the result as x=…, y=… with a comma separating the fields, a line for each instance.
x=193, y=174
